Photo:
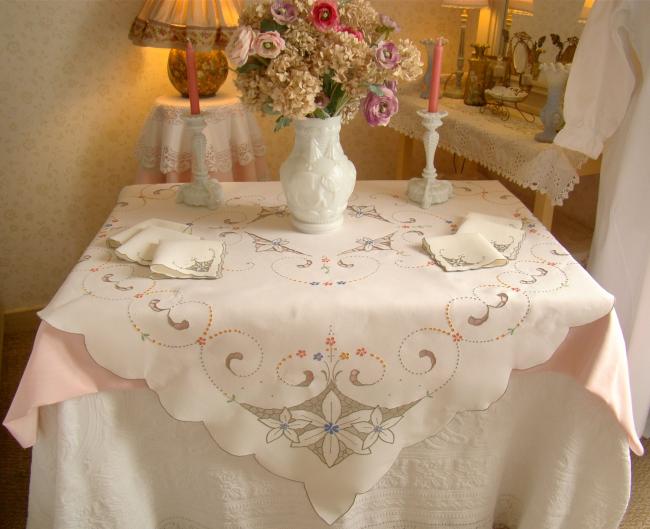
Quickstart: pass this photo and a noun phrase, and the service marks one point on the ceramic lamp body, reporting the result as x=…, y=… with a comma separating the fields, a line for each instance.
x=211, y=71
x=317, y=178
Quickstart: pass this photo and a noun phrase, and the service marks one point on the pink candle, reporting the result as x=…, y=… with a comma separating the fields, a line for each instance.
x=192, y=85
x=434, y=85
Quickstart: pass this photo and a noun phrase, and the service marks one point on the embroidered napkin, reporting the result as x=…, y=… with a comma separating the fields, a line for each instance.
x=140, y=248
x=505, y=234
x=120, y=238
x=183, y=259
x=463, y=251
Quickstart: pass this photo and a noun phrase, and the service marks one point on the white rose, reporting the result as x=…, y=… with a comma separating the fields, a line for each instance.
x=239, y=45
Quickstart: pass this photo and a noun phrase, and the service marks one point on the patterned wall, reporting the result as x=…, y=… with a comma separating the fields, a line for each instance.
x=74, y=93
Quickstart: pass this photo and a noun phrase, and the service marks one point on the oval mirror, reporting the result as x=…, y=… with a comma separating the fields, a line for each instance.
x=520, y=56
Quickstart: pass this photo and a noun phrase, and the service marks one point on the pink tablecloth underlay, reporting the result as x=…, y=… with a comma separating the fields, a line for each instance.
x=60, y=368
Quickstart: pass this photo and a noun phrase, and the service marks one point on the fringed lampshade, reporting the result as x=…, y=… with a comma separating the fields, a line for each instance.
x=205, y=23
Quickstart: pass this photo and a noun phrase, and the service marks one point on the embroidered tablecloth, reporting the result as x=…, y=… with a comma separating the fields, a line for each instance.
x=325, y=355
x=235, y=148
x=506, y=147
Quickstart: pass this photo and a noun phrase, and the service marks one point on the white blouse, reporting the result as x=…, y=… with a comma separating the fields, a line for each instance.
x=607, y=109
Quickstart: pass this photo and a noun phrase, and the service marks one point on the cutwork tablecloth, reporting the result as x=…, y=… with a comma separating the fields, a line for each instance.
x=235, y=148
x=507, y=148
x=326, y=355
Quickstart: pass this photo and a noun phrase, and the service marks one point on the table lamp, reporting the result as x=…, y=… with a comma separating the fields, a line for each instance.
x=456, y=90
x=206, y=23
x=586, y=8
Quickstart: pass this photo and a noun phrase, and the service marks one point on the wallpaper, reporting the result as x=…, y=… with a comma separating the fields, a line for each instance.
x=74, y=94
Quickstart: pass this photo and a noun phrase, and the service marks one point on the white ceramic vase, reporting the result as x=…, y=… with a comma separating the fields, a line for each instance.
x=317, y=178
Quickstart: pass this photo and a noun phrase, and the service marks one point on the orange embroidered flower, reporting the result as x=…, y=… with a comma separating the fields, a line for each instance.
x=302, y=353
x=201, y=340
x=344, y=356
x=330, y=340
x=139, y=296
x=362, y=351
x=456, y=337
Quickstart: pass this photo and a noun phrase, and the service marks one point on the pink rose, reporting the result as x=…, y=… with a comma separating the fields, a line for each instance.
x=379, y=109
x=388, y=23
x=239, y=45
x=284, y=12
x=387, y=55
x=352, y=31
x=325, y=15
x=268, y=44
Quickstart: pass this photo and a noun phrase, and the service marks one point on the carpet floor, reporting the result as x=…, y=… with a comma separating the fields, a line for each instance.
x=14, y=461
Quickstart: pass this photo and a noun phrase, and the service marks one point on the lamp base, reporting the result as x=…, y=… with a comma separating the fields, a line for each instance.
x=211, y=70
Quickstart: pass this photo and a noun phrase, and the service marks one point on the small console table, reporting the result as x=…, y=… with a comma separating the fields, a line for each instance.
x=235, y=149
x=507, y=148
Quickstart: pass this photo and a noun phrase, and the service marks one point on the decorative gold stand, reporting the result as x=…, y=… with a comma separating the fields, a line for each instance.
x=211, y=69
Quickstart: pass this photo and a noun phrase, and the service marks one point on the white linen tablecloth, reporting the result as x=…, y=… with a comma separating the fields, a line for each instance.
x=326, y=355
x=547, y=455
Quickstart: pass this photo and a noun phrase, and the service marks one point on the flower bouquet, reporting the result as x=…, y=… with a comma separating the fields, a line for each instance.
x=316, y=62
x=320, y=59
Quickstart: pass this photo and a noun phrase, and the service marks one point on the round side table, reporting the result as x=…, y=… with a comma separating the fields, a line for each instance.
x=235, y=150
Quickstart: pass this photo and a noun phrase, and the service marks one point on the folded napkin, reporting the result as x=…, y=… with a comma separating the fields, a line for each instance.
x=140, y=248
x=505, y=234
x=184, y=259
x=120, y=238
x=463, y=251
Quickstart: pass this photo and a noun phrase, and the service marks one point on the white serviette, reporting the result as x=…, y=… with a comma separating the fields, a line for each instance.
x=505, y=234
x=463, y=251
x=120, y=238
x=183, y=259
x=140, y=248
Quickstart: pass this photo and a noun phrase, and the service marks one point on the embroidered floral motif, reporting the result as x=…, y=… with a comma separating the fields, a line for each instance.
x=366, y=244
x=332, y=425
x=202, y=266
x=365, y=211
x=275, y=245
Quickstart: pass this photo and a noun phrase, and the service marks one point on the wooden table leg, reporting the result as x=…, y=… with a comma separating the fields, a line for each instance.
x=543, y=209
x=404, y=157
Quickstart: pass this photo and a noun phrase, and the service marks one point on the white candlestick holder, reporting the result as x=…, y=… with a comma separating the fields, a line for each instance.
x=428, y=190
x=202, y=190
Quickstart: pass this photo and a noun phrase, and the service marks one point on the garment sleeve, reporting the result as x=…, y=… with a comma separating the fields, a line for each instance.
x=601, y=81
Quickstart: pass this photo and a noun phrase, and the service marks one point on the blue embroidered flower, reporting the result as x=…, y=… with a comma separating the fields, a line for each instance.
x=318, y=356
x=341, y=282
x=314, y=283
x=330, y=428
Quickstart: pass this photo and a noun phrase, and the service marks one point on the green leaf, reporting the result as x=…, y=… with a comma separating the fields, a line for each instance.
x=267, y=108
x=320, y=114
x=249, y=67
x=281, y=122
x=271, y=25
x=376, y=89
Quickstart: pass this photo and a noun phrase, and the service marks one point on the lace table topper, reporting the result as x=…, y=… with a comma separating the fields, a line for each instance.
x=325, y=355
x=506, y=147
x=232, y=133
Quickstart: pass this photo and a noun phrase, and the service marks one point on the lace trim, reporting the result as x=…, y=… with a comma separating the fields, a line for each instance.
x=505, y=148
x=169, y=160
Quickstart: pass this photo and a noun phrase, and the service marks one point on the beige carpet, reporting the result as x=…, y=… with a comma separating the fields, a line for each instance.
x=14, y=461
